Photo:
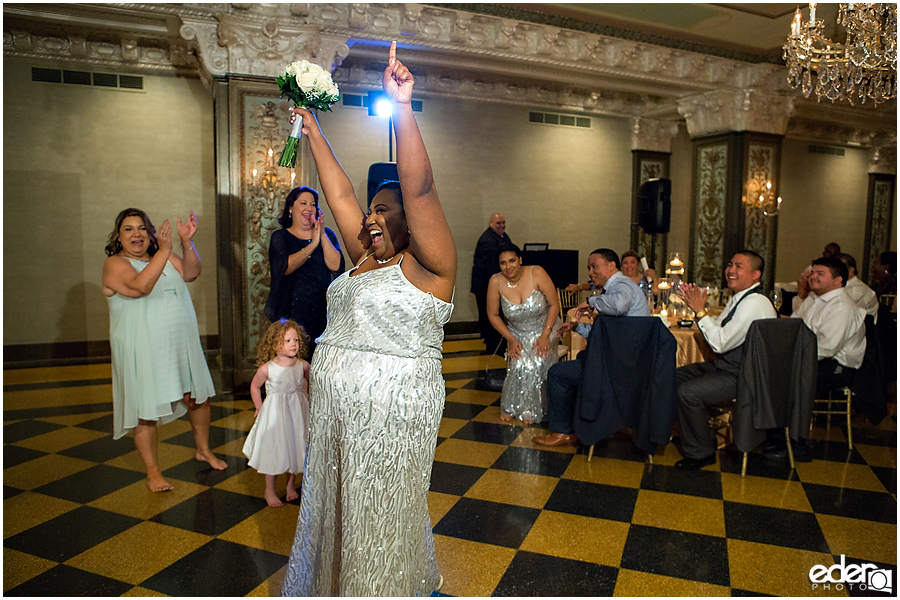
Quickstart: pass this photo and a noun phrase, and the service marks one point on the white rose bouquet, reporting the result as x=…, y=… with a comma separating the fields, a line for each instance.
x=309, y=86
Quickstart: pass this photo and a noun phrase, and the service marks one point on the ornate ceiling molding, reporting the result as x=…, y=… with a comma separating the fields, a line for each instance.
x=520, y=14
x=436, y=84
x=127, y=54
x=652, y=134
x=506, y=56
x=839, y=134
x=883, y=159
x=245, y=43
x=750, y=109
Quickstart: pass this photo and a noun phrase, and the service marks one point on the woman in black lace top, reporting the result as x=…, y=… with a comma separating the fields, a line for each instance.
x=304, y=258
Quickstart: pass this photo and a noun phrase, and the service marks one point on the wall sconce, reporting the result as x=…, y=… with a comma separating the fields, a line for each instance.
x=265, y=181
x=380, y=106
x=762, y=196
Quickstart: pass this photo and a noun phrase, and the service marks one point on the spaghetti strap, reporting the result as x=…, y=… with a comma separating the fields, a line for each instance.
x=400, y=260
x=361, y=262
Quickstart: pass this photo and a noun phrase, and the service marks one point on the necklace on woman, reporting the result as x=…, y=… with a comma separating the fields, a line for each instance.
x=134, y=257
x=387, y=260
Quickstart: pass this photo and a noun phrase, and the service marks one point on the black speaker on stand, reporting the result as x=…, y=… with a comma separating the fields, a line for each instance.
x=655, y=210
x=378, y=173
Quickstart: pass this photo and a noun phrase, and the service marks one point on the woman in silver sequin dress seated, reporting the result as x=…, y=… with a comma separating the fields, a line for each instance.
x=376, y=391
x=531, y=306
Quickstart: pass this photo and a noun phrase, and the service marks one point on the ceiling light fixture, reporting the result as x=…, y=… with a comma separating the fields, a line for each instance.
x=864, y=66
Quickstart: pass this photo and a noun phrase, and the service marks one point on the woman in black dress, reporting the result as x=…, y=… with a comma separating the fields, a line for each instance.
x=304, y=258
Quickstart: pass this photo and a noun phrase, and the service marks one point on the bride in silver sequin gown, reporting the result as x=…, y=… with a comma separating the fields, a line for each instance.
x=376, y=389
x=530, y=304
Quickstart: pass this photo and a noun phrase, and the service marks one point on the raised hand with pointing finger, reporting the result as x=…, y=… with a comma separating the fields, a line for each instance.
x=397, y=80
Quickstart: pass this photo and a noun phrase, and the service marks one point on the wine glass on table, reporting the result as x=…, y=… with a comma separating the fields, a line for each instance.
x=777, y=298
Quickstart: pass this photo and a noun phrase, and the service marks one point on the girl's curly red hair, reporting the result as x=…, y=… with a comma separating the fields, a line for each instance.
x=268, y=346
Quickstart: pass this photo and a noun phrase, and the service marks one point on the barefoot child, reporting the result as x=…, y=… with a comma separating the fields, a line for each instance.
x=277, y=442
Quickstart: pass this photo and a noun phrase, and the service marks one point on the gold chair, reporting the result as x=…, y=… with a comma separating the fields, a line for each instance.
x=843, y=410
x=790, y=451
x=723, y=424
x=565, y=343
x=567, y=300
x=771, y=385
x=887, y=299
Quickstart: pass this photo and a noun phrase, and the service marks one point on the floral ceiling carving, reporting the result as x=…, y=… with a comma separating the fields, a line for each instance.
x=457, y=53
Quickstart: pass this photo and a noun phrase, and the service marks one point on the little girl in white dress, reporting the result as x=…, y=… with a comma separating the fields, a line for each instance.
x=277, y=442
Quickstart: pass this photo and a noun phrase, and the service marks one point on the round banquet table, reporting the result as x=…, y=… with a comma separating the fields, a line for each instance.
x=692, y=347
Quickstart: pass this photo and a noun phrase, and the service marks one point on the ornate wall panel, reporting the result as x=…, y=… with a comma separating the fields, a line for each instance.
x=251, y=130
x=878, y=224
x=708, y=222
x=264, y=132
x=759, y=229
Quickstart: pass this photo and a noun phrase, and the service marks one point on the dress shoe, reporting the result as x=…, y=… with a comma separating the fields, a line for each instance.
x=801, y=454
x=557, y=439
x=692, y=464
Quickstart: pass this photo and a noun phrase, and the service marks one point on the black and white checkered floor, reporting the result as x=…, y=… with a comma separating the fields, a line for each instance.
x=510, y=519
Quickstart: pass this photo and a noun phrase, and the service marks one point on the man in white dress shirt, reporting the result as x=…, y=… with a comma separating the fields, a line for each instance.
x=837, y=322
x=859, y=292
x=701, y=385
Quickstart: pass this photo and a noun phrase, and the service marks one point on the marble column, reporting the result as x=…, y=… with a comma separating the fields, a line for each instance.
x=737, y=137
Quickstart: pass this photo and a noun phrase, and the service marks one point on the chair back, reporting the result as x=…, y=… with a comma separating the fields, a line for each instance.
x=776, y=381
x=886, y=327
x=868, y=383
x=567, y=300
x=627, y=381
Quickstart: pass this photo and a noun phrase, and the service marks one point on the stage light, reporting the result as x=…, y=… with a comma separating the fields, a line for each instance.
x=383, y=107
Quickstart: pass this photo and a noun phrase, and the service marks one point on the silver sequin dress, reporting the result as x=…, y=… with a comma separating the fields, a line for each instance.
x=377, y=396
x=524, y=393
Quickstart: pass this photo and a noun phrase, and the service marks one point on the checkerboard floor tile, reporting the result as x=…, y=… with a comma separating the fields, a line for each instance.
x=510, y=518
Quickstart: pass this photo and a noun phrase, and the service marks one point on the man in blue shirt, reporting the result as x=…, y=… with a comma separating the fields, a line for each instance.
x=621, y=297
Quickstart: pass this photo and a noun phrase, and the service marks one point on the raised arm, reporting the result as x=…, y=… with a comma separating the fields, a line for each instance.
x=188, y=264
x=654, y=280
x=119, y=277
x=333, y=257
x=337, y=188
x=430, y=239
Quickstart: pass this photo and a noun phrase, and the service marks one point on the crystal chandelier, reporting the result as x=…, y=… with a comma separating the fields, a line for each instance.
x=864, y=66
